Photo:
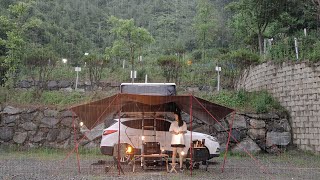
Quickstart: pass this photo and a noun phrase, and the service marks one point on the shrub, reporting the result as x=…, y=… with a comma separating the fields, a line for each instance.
x=197, y=54
x=315, y=55
x=281, y=50
x=244, y=57
x=3, y=94
x=25, y=97
x=263, y=102
x=141, y=74
x=231, y=99
x=257, y=102
x=61, y=98
x=66, y=72
x=171, y=67
x=16, y=96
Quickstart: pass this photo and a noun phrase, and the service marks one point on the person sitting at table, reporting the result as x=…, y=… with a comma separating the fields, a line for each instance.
x=178, y=128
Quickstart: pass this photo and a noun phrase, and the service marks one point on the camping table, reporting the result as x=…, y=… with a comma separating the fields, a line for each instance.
x=161, y=156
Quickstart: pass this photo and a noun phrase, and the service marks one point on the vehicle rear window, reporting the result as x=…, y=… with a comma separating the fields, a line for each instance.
x=109, y=122
x=161, y=125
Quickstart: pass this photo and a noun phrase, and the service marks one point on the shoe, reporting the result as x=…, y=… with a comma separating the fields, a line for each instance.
x=181, y=169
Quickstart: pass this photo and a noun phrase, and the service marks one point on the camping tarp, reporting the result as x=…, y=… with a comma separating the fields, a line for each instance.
x=94, y=113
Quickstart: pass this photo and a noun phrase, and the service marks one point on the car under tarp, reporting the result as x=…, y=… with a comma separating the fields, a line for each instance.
x=94, y=113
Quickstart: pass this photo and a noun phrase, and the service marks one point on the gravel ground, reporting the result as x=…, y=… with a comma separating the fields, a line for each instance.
x=290, y=165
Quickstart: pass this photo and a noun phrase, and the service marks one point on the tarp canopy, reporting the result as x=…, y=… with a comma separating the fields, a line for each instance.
x=94, y=113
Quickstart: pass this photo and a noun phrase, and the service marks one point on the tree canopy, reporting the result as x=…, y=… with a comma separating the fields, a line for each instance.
x=128, y=38
x=199, y=31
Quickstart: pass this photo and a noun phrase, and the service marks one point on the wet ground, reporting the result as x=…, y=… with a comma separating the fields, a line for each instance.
x=289, y=165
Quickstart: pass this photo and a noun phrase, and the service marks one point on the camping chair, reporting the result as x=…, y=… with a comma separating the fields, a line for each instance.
x=122, y=155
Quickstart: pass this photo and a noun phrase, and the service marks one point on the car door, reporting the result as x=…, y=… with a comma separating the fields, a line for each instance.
x=132, y=129
x=135, y=133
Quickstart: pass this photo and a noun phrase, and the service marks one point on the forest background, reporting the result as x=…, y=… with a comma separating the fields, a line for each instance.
x=180, y=41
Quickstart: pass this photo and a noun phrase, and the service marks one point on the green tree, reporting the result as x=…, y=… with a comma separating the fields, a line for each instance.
x=12, y=39
x=317, y=5
x=297, y=16
x=128, y=37
x=171, y=67
x=5, y=25
x=205, y=24
x=253, y=17
x=95, y=63
x=39, y=62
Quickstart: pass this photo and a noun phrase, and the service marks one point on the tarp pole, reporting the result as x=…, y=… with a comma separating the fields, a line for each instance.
x=191, y=144
x=142, y=141
x=119, y=139
x=84, y=134
x=75, y=140
x=255, y=160
x=227, y=146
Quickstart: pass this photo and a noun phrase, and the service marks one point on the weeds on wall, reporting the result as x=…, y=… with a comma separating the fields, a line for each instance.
x=59, y=99
x=314, y=55
x=255, y=102
x=284, y=48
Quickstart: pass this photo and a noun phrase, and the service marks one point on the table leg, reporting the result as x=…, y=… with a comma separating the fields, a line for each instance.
x=167, y=164
x=134, y=164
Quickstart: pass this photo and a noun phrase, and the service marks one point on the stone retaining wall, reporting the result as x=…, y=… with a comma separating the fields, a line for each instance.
x=251, y=132
x=43, y=127
x=35, y=127
x=64, y=85
x=297, y=87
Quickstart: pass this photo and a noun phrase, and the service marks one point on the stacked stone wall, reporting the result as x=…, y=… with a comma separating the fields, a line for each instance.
x=44, y=127
x=297, y=87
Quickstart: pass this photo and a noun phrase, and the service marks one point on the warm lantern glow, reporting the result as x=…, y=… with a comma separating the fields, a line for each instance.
x=129, y=149
x=182, y=153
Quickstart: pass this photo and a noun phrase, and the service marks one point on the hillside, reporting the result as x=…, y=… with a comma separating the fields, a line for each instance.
x=187, y=39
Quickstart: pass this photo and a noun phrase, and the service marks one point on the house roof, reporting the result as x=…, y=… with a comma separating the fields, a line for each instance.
x=93, y=113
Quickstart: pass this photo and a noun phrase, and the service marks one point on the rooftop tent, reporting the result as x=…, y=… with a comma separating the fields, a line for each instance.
x=165, y=89
x=93, y=113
